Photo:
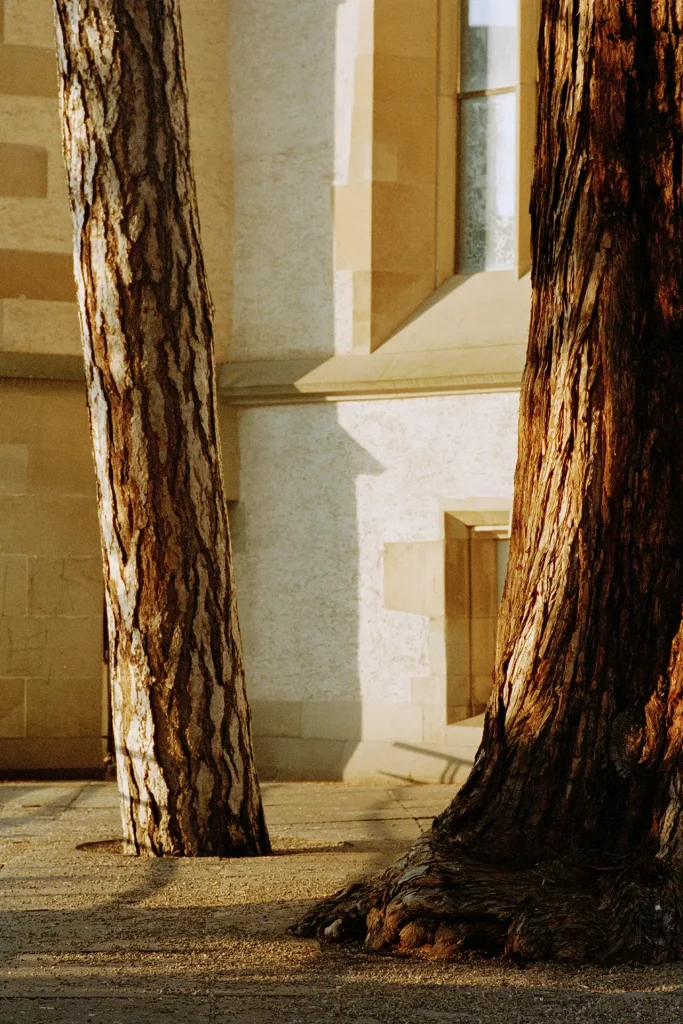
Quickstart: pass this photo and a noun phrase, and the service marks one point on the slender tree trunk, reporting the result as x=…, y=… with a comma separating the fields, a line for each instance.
x=567, y=839
x=181, y=720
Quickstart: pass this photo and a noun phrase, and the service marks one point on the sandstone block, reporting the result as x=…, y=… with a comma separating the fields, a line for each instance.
x=66, y=586
x=54, y=754
x=61, y=470
x=50, y=647
x=12, y=714
x=414, y=577
x=48, y=525
x=13, y=468
x=13, y=585
x=276, y=717
x=392, y=723
x=333, y=720
x=64, y=707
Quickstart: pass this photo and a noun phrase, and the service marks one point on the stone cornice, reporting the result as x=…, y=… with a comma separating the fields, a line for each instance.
x=448, y=371
x=296, y=381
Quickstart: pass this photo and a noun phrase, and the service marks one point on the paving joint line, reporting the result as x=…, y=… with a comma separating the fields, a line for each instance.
x=409, y=814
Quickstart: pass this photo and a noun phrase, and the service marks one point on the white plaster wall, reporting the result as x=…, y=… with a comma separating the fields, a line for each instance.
x=292, y=66
x=324, y=487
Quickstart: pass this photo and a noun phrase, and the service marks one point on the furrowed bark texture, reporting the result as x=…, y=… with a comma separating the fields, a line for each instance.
x=567, y=839
x=181, y=719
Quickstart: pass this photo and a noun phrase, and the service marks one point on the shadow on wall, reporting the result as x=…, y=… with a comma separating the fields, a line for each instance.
x=283, y=59
x=296, y=545
x=295, y=530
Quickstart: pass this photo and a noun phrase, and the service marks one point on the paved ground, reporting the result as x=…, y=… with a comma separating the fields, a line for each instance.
x=91, y=937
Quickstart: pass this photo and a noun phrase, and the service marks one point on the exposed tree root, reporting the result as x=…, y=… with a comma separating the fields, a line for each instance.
x=441, y=900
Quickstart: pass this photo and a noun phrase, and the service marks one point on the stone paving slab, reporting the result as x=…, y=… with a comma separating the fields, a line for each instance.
x=97, y=795
x=88, y=936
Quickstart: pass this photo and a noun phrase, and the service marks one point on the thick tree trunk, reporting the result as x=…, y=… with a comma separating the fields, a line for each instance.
x=567, y=839
x=181, y=719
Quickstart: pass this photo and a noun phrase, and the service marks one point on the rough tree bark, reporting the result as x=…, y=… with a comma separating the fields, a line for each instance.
x=181, y=720
x=567, y=839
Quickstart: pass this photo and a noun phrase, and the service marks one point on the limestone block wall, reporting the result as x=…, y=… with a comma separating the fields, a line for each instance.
x=37, y=294
x=53, y=696
x=331, y=669
x=37, y=307
x=52, y=711
x=53, y=706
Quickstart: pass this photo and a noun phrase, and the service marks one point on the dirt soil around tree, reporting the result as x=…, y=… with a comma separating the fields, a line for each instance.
x=89, y=936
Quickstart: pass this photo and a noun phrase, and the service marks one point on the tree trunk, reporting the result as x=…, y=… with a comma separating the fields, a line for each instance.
x=181, y=720
x=566, y=840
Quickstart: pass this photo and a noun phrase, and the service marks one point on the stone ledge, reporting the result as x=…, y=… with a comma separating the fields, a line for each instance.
x=381, y=375
x=296, y=381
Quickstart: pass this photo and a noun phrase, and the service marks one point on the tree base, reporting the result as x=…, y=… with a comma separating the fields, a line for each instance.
x=444, y=901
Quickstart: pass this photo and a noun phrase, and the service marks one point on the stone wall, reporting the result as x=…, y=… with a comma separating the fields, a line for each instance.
x=52, y=712
x=331, y=670
x=53, y=704
x=53, y=697
x=37, y=294
x=334, y=244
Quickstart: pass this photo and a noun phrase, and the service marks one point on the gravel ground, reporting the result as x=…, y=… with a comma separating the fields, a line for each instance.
x=88, y=935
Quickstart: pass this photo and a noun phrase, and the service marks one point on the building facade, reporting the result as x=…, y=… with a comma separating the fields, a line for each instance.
x=363, y=169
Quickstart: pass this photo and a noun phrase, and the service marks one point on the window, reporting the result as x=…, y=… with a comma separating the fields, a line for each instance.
x=487, y=132
x=441, y=141
x=487, y=107
x=476, y=563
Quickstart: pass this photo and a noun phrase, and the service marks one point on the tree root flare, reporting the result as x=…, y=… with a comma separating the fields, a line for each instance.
x=442, y=903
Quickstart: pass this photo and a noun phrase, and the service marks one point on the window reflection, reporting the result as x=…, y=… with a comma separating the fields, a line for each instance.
x=489, y=45
x=487, y=135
